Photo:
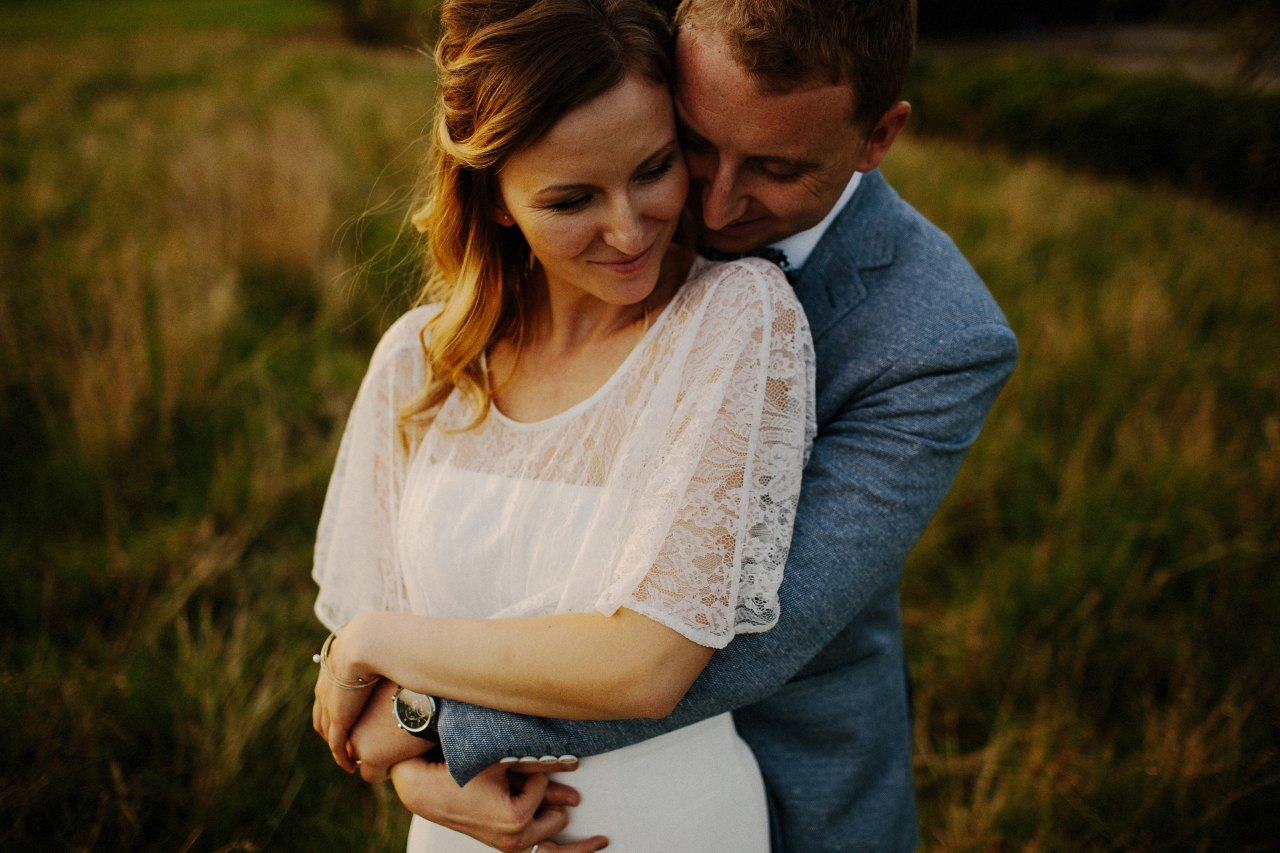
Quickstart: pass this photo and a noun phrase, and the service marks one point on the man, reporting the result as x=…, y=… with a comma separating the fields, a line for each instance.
x=787, y=109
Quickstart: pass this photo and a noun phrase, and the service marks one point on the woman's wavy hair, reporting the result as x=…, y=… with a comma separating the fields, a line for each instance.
x=507, y=71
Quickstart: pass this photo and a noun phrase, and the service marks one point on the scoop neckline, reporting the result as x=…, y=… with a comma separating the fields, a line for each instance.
x=613, y=379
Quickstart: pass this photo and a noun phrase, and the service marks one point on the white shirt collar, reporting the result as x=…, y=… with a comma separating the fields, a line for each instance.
x=798, y=247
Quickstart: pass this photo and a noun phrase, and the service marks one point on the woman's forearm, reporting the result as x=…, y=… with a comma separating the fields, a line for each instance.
x=571, y=666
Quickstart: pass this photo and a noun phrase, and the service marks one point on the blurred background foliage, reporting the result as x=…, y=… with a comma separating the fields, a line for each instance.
x=203, y=207
x=389, y=21
x=1157, y=126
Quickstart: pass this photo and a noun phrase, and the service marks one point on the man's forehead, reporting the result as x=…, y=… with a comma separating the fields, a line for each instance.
x=718, y=100
x=702, y=54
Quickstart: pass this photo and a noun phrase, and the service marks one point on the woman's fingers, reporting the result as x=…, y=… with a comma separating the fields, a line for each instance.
x=337, y=737
x=334, y=713
x=598, y=842
x=334, y=734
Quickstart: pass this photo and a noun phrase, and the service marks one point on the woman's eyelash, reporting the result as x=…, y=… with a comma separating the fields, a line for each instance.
x=657, y=171
x=569, y=204
x=578, y=202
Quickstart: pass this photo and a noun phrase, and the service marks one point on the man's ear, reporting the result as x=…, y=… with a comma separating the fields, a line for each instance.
x=882, y=136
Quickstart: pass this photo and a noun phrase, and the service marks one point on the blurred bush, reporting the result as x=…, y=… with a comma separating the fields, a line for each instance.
x=399, y=22
x=1225, y=143
x=944, y=17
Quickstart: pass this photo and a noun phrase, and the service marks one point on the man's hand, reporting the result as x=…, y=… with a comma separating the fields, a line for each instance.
x=509, y=807
x=377, y=742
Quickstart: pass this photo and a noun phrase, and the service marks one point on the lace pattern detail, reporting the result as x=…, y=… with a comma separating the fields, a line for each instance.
x=355, y=561
x=671, y=490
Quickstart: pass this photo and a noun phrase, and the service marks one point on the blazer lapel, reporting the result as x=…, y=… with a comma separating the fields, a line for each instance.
x=830, y=285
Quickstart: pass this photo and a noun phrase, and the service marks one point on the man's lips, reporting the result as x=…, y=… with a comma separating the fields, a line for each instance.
x=740, y=225
x=739, y=229
x=736, y=227
x=739, y=236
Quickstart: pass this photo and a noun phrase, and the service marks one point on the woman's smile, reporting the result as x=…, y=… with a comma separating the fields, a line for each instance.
x=599, y=197
x=627, y=265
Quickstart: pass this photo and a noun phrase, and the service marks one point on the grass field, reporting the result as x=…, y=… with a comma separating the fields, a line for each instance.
x=197, y=257
x=74, y=19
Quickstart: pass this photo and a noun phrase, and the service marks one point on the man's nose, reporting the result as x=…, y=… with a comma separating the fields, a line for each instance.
x=722, y=204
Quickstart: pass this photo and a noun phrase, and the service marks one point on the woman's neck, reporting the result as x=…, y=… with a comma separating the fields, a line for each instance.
x=570, y=344
x=564, y=320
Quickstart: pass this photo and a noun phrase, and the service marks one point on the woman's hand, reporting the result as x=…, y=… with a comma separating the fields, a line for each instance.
x=337, y=706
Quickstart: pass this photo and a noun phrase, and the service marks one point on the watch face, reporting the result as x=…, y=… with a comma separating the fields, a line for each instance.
x=413, y=711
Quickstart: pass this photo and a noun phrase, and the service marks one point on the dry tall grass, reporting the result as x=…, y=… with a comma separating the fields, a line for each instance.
x=1092, y=616
x=180, y=339
x=158, y=176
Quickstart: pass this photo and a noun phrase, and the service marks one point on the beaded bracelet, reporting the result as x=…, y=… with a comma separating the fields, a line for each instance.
x=322, y=658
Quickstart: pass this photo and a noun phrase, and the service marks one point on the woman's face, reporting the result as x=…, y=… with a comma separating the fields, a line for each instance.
x=599, y=196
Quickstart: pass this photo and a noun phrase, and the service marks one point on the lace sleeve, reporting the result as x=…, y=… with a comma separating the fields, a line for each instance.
x=355, y=556
x=742, y=429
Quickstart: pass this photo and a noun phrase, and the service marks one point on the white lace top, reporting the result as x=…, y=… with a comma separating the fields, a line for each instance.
x=671, y=490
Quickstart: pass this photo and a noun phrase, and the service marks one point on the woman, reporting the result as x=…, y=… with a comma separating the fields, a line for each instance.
x=569, y=476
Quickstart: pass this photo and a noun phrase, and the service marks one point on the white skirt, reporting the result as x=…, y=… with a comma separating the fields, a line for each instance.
x=694, y=790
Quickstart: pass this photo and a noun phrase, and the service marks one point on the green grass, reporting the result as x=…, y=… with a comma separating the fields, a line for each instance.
x=180, y=340
x=1091, y=618
x=1092, y=615
x=70, y=19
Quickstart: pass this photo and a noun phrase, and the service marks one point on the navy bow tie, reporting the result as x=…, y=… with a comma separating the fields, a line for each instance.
x=776, y=256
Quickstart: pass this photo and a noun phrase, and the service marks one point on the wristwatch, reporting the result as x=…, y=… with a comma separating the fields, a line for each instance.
x=415, y=713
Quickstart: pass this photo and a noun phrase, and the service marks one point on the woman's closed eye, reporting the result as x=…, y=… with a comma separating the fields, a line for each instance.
x=578, y=201
x=655, y=173
x=570, y=204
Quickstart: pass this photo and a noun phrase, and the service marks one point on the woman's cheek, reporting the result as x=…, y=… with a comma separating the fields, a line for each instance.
x=562, y=239
x=676, y=191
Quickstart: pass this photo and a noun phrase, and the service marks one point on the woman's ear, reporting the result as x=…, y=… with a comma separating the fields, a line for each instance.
x=498, y=213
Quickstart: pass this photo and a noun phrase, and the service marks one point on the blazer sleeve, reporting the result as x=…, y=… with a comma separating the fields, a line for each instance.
x=878, y=471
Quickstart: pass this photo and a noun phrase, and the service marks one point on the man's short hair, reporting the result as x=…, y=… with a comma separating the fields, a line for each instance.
x=787, y=43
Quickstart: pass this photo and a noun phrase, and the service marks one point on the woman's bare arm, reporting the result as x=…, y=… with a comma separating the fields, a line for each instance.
x=581, y=666
x=571, y=666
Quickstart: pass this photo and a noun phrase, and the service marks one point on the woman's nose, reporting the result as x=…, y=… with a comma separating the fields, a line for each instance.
x=626, y=231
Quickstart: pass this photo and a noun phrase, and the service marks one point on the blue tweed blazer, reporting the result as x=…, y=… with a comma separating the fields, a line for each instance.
x=911, y=352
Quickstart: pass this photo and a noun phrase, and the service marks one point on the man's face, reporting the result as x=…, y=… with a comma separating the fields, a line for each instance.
x=761, y=166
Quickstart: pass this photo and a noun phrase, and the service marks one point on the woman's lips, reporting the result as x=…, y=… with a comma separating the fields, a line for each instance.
x=628, y=265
